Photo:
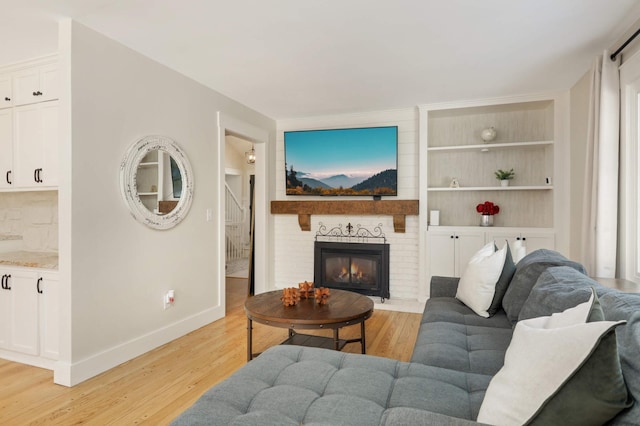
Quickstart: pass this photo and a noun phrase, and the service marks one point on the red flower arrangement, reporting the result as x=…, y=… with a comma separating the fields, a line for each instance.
x=487, y=208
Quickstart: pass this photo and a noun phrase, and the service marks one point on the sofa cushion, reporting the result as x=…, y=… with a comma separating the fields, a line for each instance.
x=508, y=270
x=559, y=369
x=527, y=272
x=452, y=336
x=300, y=385
x=477, y=284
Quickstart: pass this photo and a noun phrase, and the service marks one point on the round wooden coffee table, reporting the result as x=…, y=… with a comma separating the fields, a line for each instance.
x=343, y=308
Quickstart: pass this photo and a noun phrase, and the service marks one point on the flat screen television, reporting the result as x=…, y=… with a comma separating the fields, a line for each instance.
x=355, y=161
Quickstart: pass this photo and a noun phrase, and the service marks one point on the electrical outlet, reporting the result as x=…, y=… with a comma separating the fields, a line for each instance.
x=169, y=299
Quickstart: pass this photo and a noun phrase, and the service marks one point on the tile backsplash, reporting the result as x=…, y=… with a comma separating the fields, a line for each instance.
x=32, y=215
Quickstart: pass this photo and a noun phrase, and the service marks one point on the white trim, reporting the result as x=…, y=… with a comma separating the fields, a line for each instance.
x=77, y=372
x=260, y=136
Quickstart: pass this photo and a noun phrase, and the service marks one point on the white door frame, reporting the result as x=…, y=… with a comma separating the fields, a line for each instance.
x=259, y=136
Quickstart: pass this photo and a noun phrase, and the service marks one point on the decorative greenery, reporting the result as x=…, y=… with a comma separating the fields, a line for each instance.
x=505, y=175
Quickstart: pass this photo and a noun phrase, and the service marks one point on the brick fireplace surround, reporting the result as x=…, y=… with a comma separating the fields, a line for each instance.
x=295, y=243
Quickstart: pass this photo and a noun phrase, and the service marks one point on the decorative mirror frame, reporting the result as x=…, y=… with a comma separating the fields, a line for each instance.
x=129, y=188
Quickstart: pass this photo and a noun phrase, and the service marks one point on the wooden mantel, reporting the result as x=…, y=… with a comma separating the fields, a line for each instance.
x=304, y=209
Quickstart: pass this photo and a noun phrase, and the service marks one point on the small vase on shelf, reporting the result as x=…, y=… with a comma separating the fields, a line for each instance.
x=486, y=220
x=504, y=182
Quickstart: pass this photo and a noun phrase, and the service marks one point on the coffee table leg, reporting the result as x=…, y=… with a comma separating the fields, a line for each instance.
x=362, y=341
x=249, y=340
x=336, y=340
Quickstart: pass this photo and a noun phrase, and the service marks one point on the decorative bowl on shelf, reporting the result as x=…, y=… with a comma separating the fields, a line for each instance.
x=488, y=134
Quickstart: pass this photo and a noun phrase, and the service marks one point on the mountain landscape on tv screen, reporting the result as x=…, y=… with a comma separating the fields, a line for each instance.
x=383, y=183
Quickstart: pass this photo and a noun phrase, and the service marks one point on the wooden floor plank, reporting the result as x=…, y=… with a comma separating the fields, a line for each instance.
x=156, y=387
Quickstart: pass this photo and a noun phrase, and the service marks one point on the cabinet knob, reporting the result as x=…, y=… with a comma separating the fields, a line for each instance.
x=452, y=236
x=456, y=237
x=8, y=177
x=38, y=93
x=7, y=98
x=38, y=289
x=524, y=239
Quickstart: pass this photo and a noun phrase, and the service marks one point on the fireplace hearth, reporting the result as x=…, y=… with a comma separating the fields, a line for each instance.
x=359, y=267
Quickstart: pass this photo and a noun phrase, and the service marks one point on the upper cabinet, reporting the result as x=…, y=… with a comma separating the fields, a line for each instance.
x=6, y=97
x=36, y=84
x=29, y=126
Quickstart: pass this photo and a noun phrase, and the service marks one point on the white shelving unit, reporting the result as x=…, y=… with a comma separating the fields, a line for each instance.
x=525, y=142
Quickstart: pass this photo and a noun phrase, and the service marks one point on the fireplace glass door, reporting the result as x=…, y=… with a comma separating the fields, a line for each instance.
x=363, y=268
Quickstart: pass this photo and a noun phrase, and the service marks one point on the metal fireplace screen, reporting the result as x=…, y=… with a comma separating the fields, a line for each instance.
x=358, y=267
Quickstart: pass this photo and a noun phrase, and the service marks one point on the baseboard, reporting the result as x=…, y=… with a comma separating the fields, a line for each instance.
x=400, y=305
x=74, y=373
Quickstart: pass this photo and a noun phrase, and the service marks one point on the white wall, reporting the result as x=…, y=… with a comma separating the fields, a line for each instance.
x=114, y=269
x=293, y=251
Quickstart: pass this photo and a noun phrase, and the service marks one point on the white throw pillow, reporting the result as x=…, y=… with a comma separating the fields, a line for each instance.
x=543, y=355
x=478, y=282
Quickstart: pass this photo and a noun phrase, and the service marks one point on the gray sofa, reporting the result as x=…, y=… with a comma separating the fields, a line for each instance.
x=454, y=359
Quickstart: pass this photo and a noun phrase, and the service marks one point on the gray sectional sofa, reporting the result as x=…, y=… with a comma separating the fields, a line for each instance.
x=456, y=355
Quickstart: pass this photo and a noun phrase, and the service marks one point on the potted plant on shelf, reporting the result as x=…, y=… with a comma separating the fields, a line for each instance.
x=487, y=210
x=504, y=176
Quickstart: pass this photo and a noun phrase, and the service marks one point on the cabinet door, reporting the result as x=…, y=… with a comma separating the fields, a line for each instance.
x=5, y=314
x=49, y=312
x=49, y=84
x=467, y=244
x=534, y=240
x=36, y=155
x=26, y=85
x=6, y=148
x=28, y=145
x=5, y=91
x=441, y=253
x=24, y=322
x=51, y=155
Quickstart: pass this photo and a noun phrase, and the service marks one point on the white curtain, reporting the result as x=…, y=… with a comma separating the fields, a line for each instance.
x=600, y=209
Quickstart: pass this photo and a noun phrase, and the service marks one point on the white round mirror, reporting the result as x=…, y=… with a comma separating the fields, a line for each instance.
x=156, y=182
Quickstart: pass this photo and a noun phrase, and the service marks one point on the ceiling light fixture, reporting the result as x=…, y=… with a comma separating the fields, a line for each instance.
x=251, y=155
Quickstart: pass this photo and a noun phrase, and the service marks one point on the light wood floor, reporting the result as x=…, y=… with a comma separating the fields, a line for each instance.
x=157, y=386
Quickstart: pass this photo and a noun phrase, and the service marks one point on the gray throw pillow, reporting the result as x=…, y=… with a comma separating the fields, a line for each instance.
x=558, y=288
x=596, y=392
x=527, y=272
x=508, y=270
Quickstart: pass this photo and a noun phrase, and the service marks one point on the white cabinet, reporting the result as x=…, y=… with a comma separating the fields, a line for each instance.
x=49, y=311
x=6, y=97
x=530, y=239
x=35, y=84
x=29, y=155
x=35, y=130
x=451, y=249
x=29, y=309
x=6, y=147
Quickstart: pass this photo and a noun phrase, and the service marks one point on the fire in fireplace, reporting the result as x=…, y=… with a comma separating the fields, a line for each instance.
x=358, y=267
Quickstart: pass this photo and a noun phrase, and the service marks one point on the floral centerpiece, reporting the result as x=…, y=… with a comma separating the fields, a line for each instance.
x=487, y=210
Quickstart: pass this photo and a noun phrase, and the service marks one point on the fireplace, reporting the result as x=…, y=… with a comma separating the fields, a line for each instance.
x=359, y=267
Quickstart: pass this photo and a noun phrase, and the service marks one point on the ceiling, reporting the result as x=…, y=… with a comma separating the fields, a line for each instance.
x=297, y=58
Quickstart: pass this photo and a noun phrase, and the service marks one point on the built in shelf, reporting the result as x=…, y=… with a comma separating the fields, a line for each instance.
x=489, y=146
x=399, y=209
x=148, y=164
x=491, y=188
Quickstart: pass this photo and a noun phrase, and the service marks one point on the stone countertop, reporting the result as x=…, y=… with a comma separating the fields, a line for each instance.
x=30, y=259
